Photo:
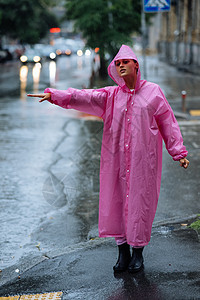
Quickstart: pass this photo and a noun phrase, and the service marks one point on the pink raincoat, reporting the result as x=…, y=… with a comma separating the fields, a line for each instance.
x=135, y=122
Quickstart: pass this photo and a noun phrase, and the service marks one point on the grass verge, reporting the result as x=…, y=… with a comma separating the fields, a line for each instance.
x=196, y=224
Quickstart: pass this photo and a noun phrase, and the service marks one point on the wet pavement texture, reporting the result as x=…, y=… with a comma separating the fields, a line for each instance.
x=85, y=272
x=30, y=135
x=49, y=200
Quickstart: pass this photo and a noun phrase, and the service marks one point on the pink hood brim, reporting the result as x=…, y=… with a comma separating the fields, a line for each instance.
x=125, y=52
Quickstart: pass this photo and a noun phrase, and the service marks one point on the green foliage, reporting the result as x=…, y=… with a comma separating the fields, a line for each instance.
x=26, y=20
x=196, y=224
x=105, y=24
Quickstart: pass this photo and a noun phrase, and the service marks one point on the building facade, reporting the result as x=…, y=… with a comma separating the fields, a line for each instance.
x=179, y=41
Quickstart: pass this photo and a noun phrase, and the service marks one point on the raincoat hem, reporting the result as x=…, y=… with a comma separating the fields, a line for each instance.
x=111, y=235
x=129, y=243
x=137, y=244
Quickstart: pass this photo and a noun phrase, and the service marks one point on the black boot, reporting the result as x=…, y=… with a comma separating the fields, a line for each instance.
x=123, y=259
x=137, y=262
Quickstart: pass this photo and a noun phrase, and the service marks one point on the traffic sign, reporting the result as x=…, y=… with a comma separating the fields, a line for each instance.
x=156, y=5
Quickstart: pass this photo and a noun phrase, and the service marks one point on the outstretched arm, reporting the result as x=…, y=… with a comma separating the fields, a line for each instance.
x=44, y=96
x=91, y=101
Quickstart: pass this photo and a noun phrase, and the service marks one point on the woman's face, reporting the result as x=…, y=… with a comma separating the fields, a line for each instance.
x=126, y=67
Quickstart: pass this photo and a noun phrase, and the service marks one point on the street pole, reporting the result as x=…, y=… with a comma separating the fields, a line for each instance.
x=183, y=94
x=143, y=20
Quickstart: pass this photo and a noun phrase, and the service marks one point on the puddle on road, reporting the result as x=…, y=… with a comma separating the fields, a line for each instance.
x=165, y=230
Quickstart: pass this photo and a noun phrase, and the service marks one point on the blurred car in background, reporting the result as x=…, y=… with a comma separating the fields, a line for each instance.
x=63, y=49
x=15, y=50
x=80, y=49
x=5, y=55
x=48, y=52
x=69, y=47
x=31, y=56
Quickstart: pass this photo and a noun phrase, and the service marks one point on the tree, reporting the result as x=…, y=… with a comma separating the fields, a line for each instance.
x=105, y=23
x=26, y=20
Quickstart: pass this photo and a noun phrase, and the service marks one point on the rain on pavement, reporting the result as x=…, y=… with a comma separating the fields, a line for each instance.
x=30, y=137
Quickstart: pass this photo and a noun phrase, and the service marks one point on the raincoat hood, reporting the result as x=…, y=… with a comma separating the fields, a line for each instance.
x=125, y=52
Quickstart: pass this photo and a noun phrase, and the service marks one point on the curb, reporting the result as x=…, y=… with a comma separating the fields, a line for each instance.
x=174, y=220
x=181, y=115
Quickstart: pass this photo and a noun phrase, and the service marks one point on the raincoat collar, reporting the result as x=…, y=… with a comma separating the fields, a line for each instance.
x=124, y=52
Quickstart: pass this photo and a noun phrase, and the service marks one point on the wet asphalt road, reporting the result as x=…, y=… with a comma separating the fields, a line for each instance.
x=31, y=134
x=50, y=162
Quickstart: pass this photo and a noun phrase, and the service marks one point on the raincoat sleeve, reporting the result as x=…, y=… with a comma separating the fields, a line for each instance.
x=169, y=128
x=91, y=101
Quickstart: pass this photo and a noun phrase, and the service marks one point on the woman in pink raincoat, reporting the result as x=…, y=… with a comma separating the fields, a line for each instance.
x=136, y=118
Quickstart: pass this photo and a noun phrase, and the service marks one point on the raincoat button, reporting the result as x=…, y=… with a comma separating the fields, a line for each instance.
x=128, y=120
x=127, y=196
x=126, y=145
x=126, y=109
x=131, y=103
x=127, y=170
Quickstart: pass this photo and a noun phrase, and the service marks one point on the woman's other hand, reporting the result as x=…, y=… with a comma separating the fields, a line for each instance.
x=184, y=162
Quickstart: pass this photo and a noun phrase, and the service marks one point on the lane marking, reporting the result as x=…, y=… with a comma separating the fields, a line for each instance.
x=46, y=296
x=195, y=112
x=10, y=298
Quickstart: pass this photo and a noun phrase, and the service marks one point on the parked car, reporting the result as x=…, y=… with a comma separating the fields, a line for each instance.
x=5, y=55
x=16, y=50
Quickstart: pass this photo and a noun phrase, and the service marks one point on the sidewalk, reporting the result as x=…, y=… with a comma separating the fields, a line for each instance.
x=85, y=270
x=173, y=82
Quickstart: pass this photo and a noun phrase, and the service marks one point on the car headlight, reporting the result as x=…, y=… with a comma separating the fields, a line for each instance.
x=52, y=55
x=79, y=52
x=23, y=58
x=36, y=58
x=87, y=52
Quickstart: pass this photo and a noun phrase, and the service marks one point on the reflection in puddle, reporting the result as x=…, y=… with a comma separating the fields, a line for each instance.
x=79, y=63
x=68, y=62
x=36, y=77
x=165, y=230
x=23, y=74
x=52, y=73
x=138, y=285
x=23, y=80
